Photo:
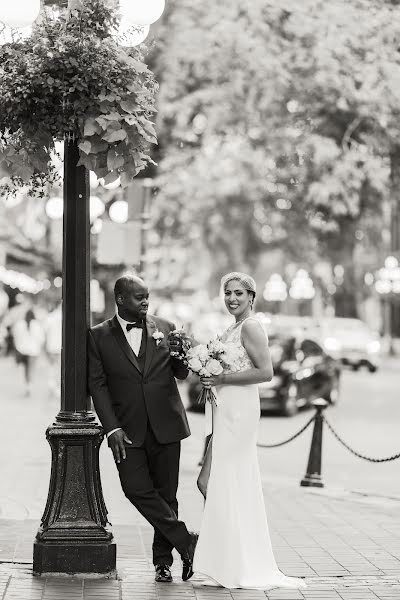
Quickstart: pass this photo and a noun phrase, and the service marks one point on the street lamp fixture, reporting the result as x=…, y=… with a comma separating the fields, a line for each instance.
x=142, y=13
x=118, y=211
x=54, y=208
x=19, y=13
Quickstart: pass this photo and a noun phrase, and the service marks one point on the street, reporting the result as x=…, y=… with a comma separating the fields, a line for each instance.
x=366, y=416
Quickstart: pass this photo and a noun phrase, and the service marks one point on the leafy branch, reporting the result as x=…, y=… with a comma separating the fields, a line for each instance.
x=70, y=78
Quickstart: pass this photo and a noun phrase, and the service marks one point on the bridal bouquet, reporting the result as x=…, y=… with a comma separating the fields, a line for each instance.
x=211, y=359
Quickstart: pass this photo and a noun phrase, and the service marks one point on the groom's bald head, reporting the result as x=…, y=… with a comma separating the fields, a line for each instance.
x=131, y=297
x=126, y=284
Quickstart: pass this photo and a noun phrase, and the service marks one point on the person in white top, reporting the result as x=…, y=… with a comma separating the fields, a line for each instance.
x=28, y=341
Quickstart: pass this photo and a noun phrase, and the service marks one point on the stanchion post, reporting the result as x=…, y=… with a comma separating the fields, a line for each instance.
x=313, y=477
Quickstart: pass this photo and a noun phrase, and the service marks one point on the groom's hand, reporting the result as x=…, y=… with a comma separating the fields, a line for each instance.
x=174, y=343
x=117, y=441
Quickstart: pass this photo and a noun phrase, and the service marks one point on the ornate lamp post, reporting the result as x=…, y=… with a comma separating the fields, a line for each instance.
x=74, y=535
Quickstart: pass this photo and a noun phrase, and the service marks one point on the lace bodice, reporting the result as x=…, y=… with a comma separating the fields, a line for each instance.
x=233, y=336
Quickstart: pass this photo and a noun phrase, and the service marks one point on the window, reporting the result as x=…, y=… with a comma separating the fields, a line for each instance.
x=311, y=348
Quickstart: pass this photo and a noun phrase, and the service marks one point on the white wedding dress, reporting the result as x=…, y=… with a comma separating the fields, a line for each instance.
x=234, y=547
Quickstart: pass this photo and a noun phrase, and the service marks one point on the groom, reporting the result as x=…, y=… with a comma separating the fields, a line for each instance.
x=131, y=377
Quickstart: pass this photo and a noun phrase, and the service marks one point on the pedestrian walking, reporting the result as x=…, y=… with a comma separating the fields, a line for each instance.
x=28, y=338
x=53, y=342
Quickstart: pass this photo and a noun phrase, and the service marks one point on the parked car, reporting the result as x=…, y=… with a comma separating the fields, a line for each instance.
x=302, y=373
x=352, y=342
x=291, y=325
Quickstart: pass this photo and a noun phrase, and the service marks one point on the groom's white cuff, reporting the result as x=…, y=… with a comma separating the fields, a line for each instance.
x=112, y=431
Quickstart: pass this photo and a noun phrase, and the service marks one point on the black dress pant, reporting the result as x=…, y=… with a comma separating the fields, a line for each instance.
x=149, y=479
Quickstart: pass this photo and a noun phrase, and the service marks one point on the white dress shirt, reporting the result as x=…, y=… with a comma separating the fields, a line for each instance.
x=134, y=339
x=134, y=336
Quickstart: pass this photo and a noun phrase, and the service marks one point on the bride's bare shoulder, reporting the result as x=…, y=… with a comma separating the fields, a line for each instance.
x=252, y=327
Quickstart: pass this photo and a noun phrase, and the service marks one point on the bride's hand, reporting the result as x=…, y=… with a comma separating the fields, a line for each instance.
x=212, y=381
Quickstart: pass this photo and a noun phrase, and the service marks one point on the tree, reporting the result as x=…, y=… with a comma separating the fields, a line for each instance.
x=349, y=68
x=217, y=163
x=271, y=133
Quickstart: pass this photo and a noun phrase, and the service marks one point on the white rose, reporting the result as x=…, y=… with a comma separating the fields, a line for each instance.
x=216, y=346
x=200, y=351
x=195, y=364
x=203, y=353
x=214, y=367
x=204, y=373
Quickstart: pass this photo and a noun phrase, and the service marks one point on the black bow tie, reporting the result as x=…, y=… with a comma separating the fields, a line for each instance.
x=137, y=324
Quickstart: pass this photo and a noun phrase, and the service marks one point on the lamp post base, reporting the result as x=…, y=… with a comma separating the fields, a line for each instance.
x=75, y=536
x=74, y=559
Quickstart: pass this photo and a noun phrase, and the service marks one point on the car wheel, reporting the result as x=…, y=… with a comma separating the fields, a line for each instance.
x=372, y=368
x=333, y=395
x=289, y=407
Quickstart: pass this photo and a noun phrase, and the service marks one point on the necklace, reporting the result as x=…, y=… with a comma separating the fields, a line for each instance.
x=238, y=322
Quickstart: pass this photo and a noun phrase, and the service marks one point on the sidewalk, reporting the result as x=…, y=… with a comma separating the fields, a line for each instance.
x=345, y=548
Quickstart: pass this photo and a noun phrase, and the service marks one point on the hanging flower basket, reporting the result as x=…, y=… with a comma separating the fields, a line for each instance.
x=72, y=79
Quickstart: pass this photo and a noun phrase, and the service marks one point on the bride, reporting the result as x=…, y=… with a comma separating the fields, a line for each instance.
x=234, y=547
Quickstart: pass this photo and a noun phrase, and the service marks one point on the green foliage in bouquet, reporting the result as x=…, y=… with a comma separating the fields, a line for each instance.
x=72, y=79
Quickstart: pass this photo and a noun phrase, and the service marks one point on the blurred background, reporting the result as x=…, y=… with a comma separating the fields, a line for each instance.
x=278, y=155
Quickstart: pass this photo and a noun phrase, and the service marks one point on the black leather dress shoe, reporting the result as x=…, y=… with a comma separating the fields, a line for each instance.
x=187, y=558
x=163, y=574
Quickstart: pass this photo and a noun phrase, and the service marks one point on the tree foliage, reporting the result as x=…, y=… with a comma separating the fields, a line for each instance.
x=70, y=78
x=277, y=125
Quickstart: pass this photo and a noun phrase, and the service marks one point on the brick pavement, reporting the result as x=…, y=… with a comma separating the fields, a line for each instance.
x=344, y=547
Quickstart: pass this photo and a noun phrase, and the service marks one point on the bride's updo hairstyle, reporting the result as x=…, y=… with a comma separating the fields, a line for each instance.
x=246, y=281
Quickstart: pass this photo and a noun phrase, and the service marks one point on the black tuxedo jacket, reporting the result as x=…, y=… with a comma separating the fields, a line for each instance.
x=126, y=396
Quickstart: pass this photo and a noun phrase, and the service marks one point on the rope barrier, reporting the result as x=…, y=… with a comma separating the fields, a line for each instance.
x=375, y=460
x=293, y=437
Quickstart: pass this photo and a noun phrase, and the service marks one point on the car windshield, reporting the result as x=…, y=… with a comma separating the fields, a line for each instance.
x=341, y=328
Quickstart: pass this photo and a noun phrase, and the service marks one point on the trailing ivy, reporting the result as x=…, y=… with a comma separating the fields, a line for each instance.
x=72, y=79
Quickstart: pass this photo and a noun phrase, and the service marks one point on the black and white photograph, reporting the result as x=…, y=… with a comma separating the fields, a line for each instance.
x=200, y=299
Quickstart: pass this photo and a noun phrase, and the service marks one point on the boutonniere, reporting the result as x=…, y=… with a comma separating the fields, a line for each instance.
x=158, y=336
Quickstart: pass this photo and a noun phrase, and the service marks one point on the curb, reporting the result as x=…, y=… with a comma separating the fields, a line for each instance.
x=359, y=496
